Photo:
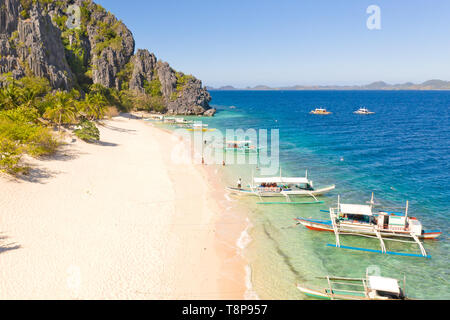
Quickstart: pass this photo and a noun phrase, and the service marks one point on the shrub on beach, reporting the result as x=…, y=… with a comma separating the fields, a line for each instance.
x=10, y=156
x=144, y=102
x=112, y=112
x=33, y=139
x=87, y=131
x=41, y=143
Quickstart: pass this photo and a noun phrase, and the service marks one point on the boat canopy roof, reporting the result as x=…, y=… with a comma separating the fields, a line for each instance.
x=282, y=180
x=356, y=209
x=384, y=284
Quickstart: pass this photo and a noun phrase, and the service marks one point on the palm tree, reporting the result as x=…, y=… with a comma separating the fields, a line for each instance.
x=94, y=106
x=62, y=109
x=123, y=98
x=28, y=97
x=10, y=97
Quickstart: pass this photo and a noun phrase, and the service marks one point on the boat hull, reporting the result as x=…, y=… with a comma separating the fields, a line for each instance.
x=324, y=294
x=283, y=194
x=327, y=226
x=238, y=150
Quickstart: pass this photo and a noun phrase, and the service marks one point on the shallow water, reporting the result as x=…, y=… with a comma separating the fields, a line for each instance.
x=400, y=153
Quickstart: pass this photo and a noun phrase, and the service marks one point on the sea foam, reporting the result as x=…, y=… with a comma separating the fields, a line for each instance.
x=244, y=240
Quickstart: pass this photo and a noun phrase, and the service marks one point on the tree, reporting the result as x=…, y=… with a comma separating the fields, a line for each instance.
x=94, y=106
x=10, y=96
x=123, y=99
x=61, y=108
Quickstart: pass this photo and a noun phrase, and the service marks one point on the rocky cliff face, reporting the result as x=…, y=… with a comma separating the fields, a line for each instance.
x=182, y=94
x=32, y=45
x=76, y=43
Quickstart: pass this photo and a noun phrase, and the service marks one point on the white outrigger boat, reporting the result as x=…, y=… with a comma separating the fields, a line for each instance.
x=364, y=111
x=168, y=120
x=198, y=126
x=369, y=288
x=361, y=220
x=282, y=187
x=244, y=146
x=155, y=118
x=321, y=111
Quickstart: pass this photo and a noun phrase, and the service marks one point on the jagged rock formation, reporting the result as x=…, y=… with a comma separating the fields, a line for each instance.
x=42, y=38
x=182, y=94
x=32, y=45
x=144, y=64
x=42, y=50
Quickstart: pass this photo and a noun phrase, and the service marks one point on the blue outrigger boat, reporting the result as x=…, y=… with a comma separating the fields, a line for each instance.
x=361, y=220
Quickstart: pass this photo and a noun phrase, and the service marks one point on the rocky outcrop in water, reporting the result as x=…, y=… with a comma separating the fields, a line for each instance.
x=42, y=38
x=183, y=94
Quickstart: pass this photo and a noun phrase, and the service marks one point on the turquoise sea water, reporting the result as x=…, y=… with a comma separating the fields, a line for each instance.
x=400, y=153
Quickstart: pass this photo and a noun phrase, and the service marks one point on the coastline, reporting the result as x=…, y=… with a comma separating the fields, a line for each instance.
x=116, y=220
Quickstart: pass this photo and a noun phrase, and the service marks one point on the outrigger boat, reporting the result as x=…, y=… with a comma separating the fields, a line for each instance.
x=168, y=120
x=245, y=146
x=282, y=187
x=369, y=288
x=182, y=123
x=321, y=111
x=177, y=121
x=361, y=220
x=199, y=127
x=155, y=117
x=363, y=111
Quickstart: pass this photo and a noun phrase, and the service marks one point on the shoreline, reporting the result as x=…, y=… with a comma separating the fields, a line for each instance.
x=222, y=233
x=116, y=220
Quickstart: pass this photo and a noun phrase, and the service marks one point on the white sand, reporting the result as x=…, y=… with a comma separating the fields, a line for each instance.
x=114, y=221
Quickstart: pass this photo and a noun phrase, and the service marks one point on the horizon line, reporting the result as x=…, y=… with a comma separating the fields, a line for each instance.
x=436, y=83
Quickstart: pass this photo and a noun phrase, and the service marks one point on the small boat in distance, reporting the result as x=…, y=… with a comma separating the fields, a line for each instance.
x=199, y=127
x=155, y=117
x=245, y=146
x=282, y=187
x=370, y=288
x=363, y=111
x=321, y=111
x=362, y=221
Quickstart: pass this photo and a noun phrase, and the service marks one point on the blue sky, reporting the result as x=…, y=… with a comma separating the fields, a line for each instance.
x=288, y=42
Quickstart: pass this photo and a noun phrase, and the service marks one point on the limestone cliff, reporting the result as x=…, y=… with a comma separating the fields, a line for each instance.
x=77, y=43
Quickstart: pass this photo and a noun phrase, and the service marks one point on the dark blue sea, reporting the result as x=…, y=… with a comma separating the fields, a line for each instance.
x=400, y=153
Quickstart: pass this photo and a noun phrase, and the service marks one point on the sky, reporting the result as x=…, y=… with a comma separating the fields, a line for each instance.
x=293, y=42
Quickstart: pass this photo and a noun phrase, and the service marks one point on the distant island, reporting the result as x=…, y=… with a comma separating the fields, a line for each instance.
x=379, y=85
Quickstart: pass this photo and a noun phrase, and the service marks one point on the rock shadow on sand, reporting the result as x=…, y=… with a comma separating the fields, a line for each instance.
x=64, y=154
x=105, y=144
x=117, y=129
x=36, y=174
x=4, y=247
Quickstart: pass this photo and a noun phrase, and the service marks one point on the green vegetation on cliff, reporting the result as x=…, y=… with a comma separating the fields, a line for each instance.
x=20, y=129
x=29, y=109
x=153, y=88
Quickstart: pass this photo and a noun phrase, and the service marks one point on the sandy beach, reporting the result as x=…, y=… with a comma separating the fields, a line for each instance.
x=118, y=220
